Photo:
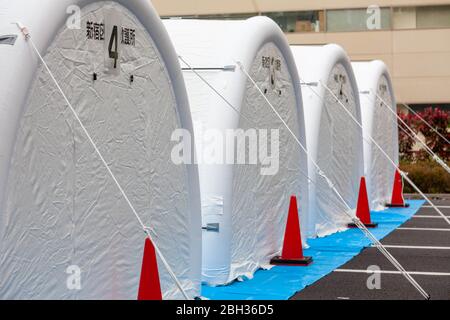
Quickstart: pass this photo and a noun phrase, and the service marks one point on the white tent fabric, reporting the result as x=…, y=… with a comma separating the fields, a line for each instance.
x=334, y=141
x=379, y=123
x=250, y=208
x=58, y=206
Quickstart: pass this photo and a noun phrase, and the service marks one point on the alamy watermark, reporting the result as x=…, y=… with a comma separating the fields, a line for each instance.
x=373, y=21
x=73, y=281
x=74, y=20
x=374, y=280
x=228, y=146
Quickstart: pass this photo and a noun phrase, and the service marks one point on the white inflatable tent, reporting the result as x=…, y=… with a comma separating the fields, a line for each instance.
x=379, y=123
x=249, y=208
x=334, y=141
x=60, y=210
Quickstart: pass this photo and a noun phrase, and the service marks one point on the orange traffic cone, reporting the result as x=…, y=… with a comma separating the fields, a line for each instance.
x=397, y=199
x=149, y=285
x=362, y=208
x=292, y=253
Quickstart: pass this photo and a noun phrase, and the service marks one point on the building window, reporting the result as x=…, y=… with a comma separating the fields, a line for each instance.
x=404, y=18
x=238, y=16
x=422, y=17
x=357, y=20
x=299, y=21
x=242, y=16
x=345, y=20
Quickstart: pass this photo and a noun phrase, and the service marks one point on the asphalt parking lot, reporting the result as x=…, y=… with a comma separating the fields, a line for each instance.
x=421, y=245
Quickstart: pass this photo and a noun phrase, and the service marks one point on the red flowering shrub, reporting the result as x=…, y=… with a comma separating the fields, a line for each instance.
x=428, y=175
x=439, y=120
x=405, y=141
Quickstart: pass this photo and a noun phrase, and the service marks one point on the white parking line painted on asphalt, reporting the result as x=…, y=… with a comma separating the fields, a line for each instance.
x=439, y=207
x=424, y=229
x=418, y=273
x=415, y=247
x=431, y=217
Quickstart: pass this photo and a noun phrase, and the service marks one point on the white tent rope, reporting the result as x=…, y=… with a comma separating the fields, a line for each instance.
x=188, y=65
x=145, y=228
x=427, y=123
x=227, y=102
x=403, y=174
x=427, y=148
x=319, y=171
x=358, y=222
x=212, y=88
x=241, y=115
x=410, y=136
x=408, y=131
x=400, y=126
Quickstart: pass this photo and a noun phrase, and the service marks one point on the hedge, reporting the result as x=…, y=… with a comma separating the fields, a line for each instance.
x=427, y=175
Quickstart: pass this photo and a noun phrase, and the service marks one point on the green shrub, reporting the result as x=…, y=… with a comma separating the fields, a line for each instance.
x=429, y=176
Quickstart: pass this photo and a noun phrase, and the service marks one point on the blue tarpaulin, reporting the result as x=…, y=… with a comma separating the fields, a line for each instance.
x=329, y=253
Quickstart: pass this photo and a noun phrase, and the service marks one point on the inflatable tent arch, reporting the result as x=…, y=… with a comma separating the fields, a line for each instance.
x=59, y=206
x=333, y=140
x=250, y=208
x=379, y=123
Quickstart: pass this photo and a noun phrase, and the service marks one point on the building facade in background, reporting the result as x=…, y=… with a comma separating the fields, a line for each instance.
x=411, y=36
